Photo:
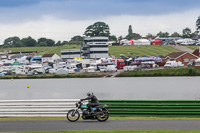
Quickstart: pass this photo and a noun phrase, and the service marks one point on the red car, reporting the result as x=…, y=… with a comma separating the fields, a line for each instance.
x=156, y=42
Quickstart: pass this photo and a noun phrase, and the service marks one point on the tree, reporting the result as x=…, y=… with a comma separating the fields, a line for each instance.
x=42, y=41
x=19, y=44
x=98, y=29
x=64, y=43
x=120, y=38
x=78, y=40
x=175, y=34
x=163, y=34
x=112, y=38
x=133, y=35
x=29, y=42
x=42, y=44
x=130, y=31
x=11, y=41
x=50, y=42
x=198, y=25
x=58, y=43
x=149, y=35
x=187, y=33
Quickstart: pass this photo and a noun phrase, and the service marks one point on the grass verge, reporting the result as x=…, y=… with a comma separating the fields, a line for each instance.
x=143, y=131
x=77, y=75
x=192, y=71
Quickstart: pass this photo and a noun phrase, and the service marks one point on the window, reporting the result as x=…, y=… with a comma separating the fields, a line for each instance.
x=186, y=60
x=70, y=53
x=98, y=46
x=100, y=52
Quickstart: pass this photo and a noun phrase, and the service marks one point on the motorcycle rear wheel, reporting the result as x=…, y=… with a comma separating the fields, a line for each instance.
x=73, y=115
x=102, y=115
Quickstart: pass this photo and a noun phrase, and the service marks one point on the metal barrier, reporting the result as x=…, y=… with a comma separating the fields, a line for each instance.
x=170, y=108
x=36, y=108
x=60, y=107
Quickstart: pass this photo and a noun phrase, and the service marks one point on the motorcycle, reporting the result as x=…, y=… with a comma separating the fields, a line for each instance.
x=100, y=113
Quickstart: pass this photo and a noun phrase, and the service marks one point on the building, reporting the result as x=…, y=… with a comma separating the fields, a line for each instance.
x=183, y=57
x=95, y=47
x=51, y=58
x=70, y=54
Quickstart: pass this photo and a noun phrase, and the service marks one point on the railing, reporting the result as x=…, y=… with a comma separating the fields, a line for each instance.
x=168, y=108
x=60, y=107
x=36, y=108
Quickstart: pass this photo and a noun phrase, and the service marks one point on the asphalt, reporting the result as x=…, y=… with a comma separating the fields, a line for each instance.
x=37, y=126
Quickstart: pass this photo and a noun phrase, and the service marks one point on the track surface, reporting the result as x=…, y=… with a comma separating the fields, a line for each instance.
x=35, y=126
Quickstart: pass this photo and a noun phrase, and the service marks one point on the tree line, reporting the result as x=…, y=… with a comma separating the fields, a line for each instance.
x=96, y=29
x=31, y=42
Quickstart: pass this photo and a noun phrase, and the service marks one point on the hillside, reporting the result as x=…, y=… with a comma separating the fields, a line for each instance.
x=193, y=47
x=113, y=50
x=42, y=50
x=149, y=50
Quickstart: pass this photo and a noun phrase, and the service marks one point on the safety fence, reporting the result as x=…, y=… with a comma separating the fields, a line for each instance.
x=36, y=108
x=60, y=107
x=186, y=108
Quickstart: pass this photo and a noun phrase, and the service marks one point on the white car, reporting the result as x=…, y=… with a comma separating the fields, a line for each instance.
x=130, y=68
x=111, y=68
x=102, y=69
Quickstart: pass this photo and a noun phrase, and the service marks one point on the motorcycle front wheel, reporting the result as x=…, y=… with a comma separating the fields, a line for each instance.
x=102, y=115
x=73, y=115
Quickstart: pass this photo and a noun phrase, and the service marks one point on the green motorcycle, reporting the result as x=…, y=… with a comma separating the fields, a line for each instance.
x=100, y=113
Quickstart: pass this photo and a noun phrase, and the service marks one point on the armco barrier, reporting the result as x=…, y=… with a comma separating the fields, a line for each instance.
x=189, y=108
x=36, y=108
x=60, y=107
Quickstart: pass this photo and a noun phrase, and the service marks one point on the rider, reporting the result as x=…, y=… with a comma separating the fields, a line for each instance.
x=94, y=101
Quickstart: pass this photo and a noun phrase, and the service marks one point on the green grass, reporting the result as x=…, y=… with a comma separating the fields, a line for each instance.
x=163, y=72
x=141, y=50
x=113, y=50
x=193, y=47
x=140, y=131
x=42, y=50
x=76, y=75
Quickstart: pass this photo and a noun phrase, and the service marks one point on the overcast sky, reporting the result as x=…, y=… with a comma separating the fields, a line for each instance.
x=63, y=19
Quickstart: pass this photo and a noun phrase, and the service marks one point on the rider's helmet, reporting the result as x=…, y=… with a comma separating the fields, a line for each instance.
x=89, y=93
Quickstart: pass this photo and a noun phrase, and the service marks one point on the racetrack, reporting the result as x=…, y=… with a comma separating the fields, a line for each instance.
x=36, y=126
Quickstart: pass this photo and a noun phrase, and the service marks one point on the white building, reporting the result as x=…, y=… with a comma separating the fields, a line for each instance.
x=95, y=47
x=70, y=54
x=51, y=58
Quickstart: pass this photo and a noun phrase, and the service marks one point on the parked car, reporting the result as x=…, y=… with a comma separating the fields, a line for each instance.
x=170, y=64
x=111, y=68
x=173, y=64
x=102, y=69
x=7, y=72
x=191, y=63
x=130, y=68
x=62, y=71
x=52, y=71
x=2, y=74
